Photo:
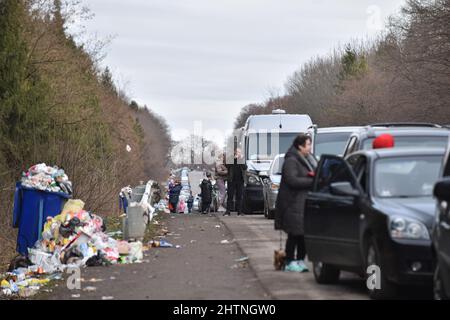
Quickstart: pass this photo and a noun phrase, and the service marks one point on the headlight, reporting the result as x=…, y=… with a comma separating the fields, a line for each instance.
x=253, y=179
x=275, y=186
x=405, y=228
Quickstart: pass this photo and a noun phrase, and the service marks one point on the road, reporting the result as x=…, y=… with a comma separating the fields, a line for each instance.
x=203, y=268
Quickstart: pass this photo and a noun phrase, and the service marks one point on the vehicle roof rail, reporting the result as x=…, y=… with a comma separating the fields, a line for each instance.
x=406, y=124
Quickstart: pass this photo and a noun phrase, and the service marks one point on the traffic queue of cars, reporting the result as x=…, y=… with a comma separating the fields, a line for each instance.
x=377, y=208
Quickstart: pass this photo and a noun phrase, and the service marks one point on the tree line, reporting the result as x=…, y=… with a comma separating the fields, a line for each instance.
x=60, y=107
x=402, y=75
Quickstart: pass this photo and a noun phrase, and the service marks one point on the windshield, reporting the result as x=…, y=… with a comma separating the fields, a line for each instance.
x=330, y=143
x=406, y=177
x=414, y=141
x=261, y=147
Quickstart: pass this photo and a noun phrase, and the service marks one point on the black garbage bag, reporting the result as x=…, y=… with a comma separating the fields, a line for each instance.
x=98, y=260
x=69, y=229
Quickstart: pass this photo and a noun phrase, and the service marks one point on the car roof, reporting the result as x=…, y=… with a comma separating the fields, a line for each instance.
x=338, y=129
x=403, y=131
x=400, y=152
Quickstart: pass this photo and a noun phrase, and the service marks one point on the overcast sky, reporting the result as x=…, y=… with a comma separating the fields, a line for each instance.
x=203, y=60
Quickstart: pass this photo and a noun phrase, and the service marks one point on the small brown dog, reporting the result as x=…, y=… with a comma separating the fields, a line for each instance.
x=279, y=260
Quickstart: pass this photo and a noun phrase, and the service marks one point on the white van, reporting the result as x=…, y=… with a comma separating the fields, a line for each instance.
x=262, y=139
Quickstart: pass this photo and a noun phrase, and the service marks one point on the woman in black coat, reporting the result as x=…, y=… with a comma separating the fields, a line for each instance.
x=296, y=181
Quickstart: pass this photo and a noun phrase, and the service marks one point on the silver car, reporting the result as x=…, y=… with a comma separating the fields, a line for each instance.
x=332, y=140
x=271, y=184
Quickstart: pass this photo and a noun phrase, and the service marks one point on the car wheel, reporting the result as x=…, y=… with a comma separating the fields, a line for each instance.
x=387, y=289
x=438, y=285
x=325, y=273
x=271, y=214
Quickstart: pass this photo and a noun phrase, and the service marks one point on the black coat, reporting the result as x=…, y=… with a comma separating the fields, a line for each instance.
x=206, y=189
x=174, y=193
x=294, y=187
x=231, y=169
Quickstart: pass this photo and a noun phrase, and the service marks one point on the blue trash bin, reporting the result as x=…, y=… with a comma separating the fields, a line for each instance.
x=31, y=209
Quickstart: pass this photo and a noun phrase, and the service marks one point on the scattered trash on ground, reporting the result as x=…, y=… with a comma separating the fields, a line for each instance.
x=160, y=244
x=243, y=259
x=90, y=289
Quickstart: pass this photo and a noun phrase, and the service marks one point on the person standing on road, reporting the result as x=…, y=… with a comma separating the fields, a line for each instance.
x=221, y=178
x=207, y=191
x=190, y=202
x=236, y=173
x=296, y=180
x=174, y=196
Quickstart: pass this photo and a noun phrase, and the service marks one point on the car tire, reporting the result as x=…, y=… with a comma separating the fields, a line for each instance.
x=438, y=285
x=271, y=215
x=388, y=289
x=325, y=273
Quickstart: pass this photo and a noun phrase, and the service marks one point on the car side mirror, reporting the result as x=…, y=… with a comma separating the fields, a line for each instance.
x=263, y=174
x=344, y=189
x=442, y=190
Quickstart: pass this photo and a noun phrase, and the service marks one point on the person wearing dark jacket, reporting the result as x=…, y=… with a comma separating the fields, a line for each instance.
x=207, y=190
x=190, y=202
x=174, y=196
x=235, y=181
x=296, y=180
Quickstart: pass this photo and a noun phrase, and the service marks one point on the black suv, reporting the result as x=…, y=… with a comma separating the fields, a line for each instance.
x=375, y=208
x=441, y=235
x=405, y=134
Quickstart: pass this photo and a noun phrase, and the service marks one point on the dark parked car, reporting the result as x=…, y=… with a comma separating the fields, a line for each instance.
x=375, y=207
x=405, y=134
x=441, y=235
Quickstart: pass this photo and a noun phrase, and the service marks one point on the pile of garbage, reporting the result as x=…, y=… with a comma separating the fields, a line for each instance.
x=163, y=206
x=75, y=238
x=46, y=178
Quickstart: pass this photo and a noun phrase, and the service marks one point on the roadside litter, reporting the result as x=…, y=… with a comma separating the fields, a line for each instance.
x=243, y=259
x=160, y=244
x=74, y=238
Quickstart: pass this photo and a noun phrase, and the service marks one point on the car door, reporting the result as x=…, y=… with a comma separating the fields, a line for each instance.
x=444, y=226
x=332, y=220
